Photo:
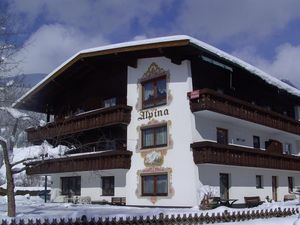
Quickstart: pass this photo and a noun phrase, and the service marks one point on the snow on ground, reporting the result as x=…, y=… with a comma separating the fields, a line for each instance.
x=18, y=188
x=35, y=208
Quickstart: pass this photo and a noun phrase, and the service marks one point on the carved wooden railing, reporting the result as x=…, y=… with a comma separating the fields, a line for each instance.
x=81, y=122
x=211, y=100
x=84, y=162
x=215, y=153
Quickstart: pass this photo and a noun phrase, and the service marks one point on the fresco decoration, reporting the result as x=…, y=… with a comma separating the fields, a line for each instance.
x=153, y=158
x=150, y=171
x=151, y=123
x=153, y=71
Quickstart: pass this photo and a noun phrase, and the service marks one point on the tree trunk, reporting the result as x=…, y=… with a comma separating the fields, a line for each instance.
x=11, y=203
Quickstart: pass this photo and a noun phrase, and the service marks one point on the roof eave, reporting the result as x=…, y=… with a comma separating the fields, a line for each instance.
x=92, y=53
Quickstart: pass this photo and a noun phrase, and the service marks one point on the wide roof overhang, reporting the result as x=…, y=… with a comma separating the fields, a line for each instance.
x=177, y=48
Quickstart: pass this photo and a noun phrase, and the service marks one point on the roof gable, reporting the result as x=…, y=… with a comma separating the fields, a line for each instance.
x=171, y=41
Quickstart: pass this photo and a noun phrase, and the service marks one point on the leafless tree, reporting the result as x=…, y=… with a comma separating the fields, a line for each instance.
x=7, y=144
x=12, y=121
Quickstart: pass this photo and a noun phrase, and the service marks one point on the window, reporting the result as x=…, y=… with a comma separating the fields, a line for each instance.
x=108, y=186
x=256, y=142
x=154, y=92
x=287, y=148
x=291, y=184
x=259, y=181
x=70, y=185
x=154, y=137
x=222, y=136
x=155, y=185
x=110, y=102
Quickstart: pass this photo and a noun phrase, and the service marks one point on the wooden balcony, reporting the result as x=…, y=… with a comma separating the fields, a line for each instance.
x=207, y=99
x=81, y=122
x=84, y=162
x=214, y=153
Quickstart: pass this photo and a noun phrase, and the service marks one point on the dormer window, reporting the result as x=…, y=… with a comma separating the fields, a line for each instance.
x=154, y=92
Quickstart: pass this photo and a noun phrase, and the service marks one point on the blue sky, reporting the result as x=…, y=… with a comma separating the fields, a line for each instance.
x=265, y=33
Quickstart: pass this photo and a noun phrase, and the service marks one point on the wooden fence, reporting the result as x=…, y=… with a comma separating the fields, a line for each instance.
x=166, y=219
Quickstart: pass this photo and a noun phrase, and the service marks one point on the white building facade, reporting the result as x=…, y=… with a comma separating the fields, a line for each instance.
x=194, y=129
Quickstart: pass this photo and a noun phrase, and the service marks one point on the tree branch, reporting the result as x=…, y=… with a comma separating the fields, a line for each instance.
x=19, y=170
x=21, y=161
x=3, y=141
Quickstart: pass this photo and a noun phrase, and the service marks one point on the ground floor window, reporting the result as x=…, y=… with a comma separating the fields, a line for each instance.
x=155, y=185
x=259, y=181
x=70, y=185
x=291, y=184
x=108, y=186
x=224, y=185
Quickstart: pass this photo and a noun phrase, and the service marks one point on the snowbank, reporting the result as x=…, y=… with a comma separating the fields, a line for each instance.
x=45, y=151
x=35, y=208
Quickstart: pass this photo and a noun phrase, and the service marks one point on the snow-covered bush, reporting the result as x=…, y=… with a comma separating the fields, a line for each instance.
x=207, y=191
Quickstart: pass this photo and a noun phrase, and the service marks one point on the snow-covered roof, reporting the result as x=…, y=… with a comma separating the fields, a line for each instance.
x=129, y=46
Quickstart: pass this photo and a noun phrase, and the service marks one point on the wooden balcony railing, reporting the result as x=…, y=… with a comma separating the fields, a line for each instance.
x=83, y=162
x=214, y=153
x=207, y=99
x=81, y=122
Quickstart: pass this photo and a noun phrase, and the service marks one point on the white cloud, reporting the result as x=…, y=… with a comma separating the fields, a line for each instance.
x=230, y=21
x=139, y=37
x=223, y=20
x=113, y=16
x=251, y=55
x=51, y=45
x=285, y=64
x=85, y=24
